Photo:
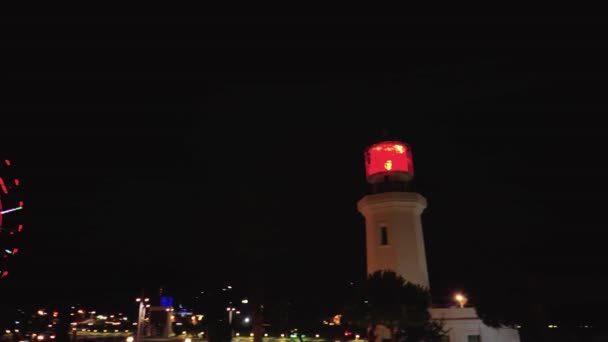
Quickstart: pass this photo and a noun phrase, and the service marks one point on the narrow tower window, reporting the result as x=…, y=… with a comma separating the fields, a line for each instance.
x=383, y=236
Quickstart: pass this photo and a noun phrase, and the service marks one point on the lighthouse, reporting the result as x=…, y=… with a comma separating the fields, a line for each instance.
x=393, y=226
x=395, y=240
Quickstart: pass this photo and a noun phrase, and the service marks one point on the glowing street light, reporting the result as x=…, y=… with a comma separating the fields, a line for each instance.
x=460, y=299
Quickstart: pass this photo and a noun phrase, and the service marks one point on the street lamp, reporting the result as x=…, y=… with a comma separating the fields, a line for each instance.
x=230, y=311
x=460, y=299
x=141, y=316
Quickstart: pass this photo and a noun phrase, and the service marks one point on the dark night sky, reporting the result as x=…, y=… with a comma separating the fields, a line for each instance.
x=151, y=149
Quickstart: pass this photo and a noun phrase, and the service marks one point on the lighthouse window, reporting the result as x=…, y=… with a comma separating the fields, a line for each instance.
x=383, y=236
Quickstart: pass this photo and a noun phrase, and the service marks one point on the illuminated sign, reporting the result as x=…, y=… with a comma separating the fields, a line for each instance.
x=166, y=301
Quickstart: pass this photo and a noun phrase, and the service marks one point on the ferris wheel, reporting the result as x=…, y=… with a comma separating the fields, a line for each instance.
x=11, y=205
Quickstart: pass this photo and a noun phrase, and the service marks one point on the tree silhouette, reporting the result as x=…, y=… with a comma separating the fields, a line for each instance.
x=503, y=302
x=387, y=299
x=513, y=295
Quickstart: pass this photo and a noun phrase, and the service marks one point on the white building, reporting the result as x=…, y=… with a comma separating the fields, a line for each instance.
x=394, y=237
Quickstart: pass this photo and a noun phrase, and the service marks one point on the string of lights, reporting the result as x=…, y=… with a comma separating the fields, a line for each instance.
x=10, y=214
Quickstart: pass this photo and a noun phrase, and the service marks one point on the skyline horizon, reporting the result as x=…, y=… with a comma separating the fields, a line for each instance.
x=187, y=154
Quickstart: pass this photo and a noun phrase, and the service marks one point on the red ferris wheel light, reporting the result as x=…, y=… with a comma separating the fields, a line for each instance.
x=10, y=220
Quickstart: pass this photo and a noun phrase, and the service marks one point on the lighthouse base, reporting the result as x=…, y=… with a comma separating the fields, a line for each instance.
x=463, y=325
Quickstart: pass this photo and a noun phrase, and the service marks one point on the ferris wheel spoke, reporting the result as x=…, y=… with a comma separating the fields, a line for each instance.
x=3, y=186
x=9, y=224
x=10, y=210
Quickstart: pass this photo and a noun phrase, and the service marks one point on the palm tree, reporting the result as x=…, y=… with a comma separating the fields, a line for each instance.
x=255, y=244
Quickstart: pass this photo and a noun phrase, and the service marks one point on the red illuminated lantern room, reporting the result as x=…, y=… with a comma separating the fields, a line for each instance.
x=389, y=161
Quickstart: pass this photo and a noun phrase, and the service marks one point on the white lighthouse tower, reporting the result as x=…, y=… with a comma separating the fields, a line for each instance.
x=395, y=241
x=394, y=237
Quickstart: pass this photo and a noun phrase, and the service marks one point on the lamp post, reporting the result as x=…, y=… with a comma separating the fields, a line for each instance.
x=230, y=311
x=141, y=316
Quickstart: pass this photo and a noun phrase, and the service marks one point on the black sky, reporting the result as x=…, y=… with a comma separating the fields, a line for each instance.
x=152, y=148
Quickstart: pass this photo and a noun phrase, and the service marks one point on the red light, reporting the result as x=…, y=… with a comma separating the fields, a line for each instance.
x=20, y=228
x=389, y=156
x=2, y=186
x=55, y=313
x=7, y=162
x=15, y=250
x=4, y=274
x=16, y=182
x=21, y=203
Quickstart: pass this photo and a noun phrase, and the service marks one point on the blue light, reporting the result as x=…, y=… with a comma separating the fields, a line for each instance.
x=166, y=301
